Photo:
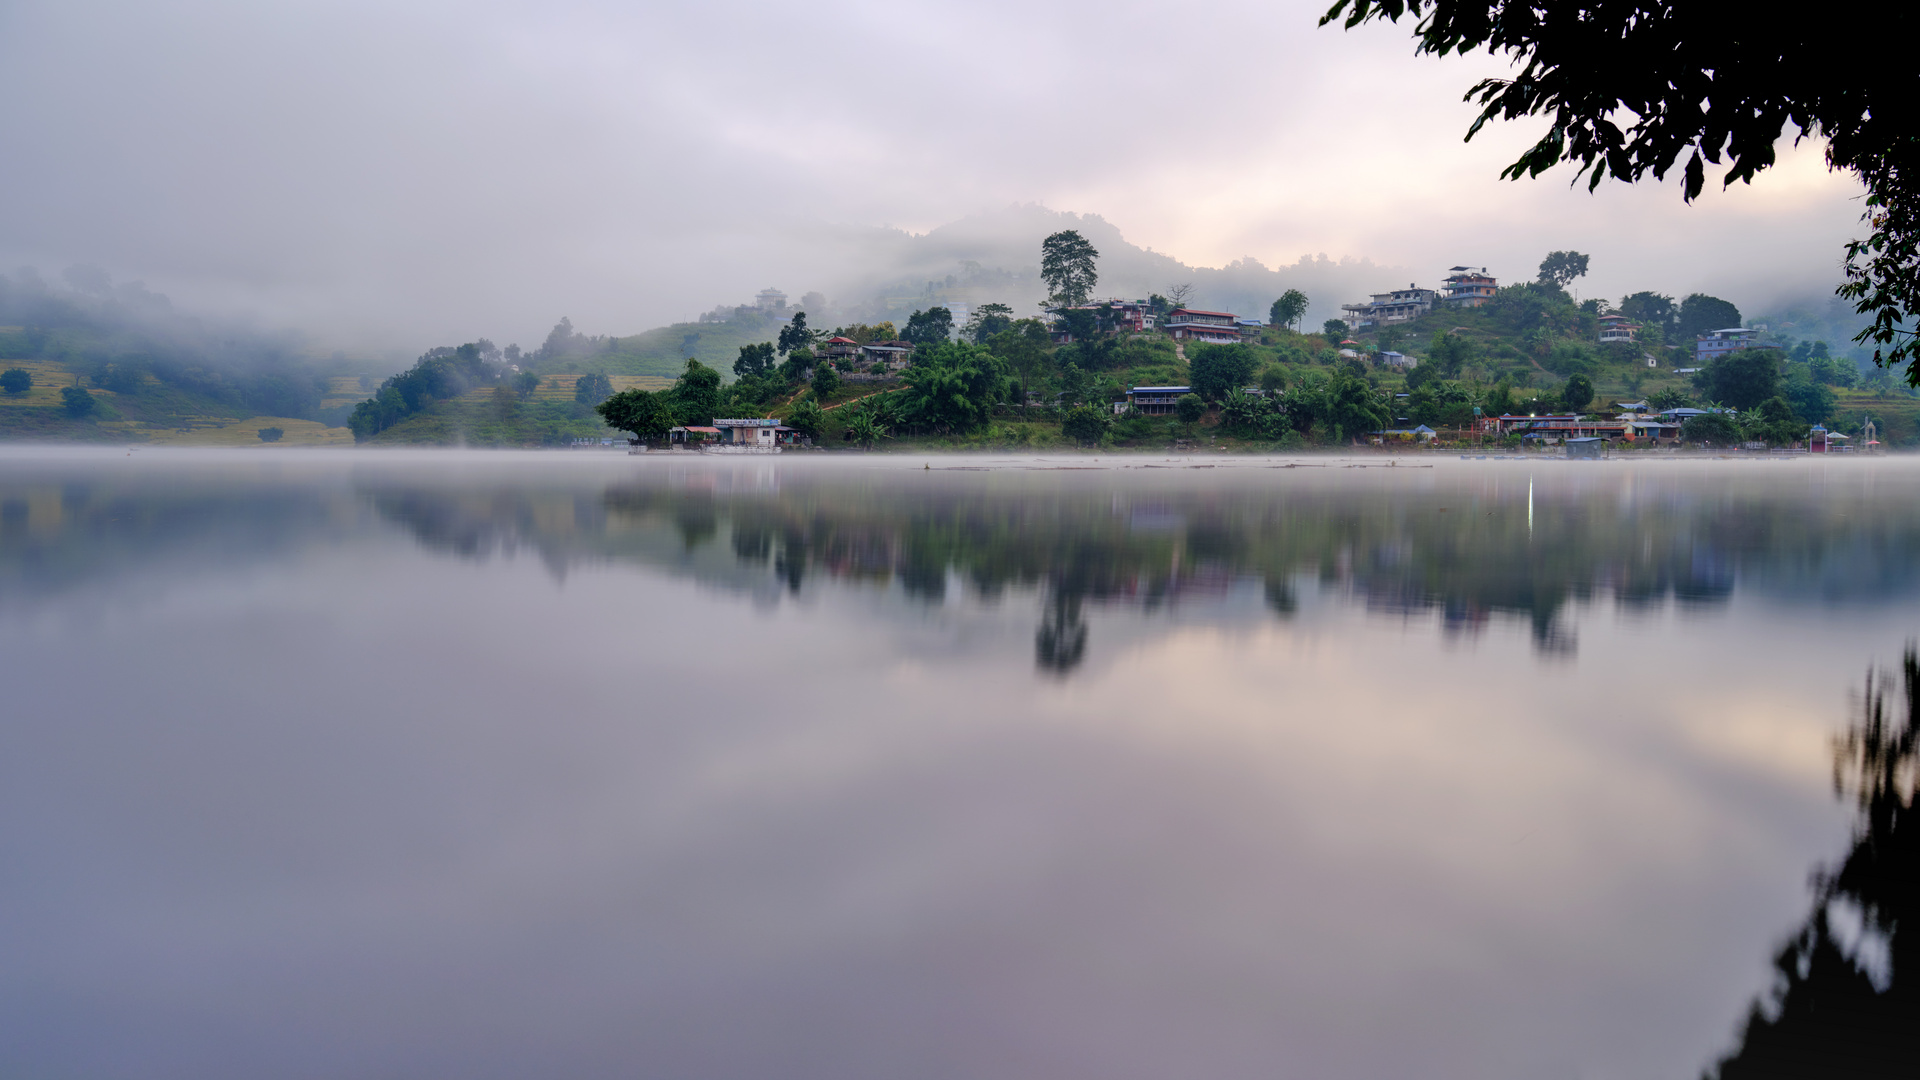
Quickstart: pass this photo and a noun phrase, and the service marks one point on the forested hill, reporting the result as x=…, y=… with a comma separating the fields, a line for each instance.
x=143, y=369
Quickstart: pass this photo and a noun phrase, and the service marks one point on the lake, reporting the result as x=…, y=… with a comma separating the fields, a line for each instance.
x=490, y=764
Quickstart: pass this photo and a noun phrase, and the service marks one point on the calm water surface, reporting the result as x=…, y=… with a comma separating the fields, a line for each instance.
x=584, y=765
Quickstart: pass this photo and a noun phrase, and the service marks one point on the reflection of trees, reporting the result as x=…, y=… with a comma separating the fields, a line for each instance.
x=1469, y=554
x=1061, y=642
x=1847, y=996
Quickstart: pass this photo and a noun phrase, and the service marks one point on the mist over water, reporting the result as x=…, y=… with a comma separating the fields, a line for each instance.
x=493, y=764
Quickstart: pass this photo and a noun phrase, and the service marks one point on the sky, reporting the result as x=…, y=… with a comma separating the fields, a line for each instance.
x=412, y=172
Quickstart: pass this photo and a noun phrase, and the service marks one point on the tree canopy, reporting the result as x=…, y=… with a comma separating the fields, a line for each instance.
x=930, y=327
x=1289, y=309
x=1702, y=314
x=646, y=414
x=1067, y=266
x=757, y=360
x=1743, y=379
x=795, y=334
x=951, y=388
x=1559, y=268
x=1684, y=84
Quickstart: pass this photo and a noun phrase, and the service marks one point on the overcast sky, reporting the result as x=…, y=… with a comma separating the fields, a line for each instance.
x=410, y=172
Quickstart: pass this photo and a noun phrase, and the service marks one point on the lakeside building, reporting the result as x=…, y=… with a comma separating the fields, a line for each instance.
x=1152, y=400
x=1468, y=286
x=1221, y=327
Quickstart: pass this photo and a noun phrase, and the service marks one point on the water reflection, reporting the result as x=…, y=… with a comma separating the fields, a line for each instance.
x=1847, y=998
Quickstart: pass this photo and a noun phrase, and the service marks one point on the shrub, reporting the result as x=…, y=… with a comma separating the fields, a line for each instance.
x=1086, y=424
x=16, y=380
x=78, y=402
x=270, y=434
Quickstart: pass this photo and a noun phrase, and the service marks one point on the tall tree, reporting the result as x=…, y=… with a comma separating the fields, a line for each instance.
x=1289, y=309
x=1742, y=379
x=1559, y=268
x=1067, y=266
x=756, y=360
x=1700, y=314
x=987, y=320
x=646, y=414
x=1578, y=393
x=1023, y=346
x=1685, y=86
x=930, y=327
x=795, y=334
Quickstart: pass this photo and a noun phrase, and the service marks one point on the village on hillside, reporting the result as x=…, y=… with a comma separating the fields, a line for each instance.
x=1467, y=361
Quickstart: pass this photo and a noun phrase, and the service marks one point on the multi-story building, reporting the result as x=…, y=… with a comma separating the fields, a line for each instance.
x=1468, y=286
x=1186, y=324
x=1718, y=343
x=771, y=300
x=1154, y=400
x=1399, y=305
x=1617, y=328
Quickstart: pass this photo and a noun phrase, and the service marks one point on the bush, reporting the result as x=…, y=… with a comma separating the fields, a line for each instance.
x=270, y=434
x=1190, y=408
x=16, y=380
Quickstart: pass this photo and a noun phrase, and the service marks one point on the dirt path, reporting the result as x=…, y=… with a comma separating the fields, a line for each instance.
x=1180, y=351
x=851, y=401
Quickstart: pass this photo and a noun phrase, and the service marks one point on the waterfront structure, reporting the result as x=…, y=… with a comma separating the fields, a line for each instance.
x=757, y=431
x=1153, y=400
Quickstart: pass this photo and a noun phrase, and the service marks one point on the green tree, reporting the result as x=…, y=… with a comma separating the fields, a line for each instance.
x=526, y=383
x=592, y=389
x=807, y=418
x=1023, y=346
x=16, y=380
x=1774, y=422
x=1499, y=400
x=825, y=381
x=1190, y=408
x=1273, y=378
x=987, y=321
x=1717, y=429
x=1810, y=399
x=1086, y=424
x=1684, y=86
x=1701, y=313
x=270, y=434
x=1448, y=352
x=1216, y=369
x=1670, y=397
x=1354, y=408
x=933, y=326
x=1652, y=311
x=1335, y=331
x=647, y=415
x=794, y=335
x=1559, y=268
x=755, y=360
x=695, y=395
x=1743, y=379
x=1577, y=394
x=952, y=388
x=1289, y=309
x=77, y=402
x=1067, y=267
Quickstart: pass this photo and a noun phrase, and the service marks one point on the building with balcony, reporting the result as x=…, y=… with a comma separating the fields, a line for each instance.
x=1467, y=286
x=1718, y=343
x=1617, y=328
x=1185, y=324
x=1154, y=400
x=1397, y=306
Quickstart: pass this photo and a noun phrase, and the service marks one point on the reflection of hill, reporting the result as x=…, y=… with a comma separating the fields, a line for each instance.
x=1480, y=548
